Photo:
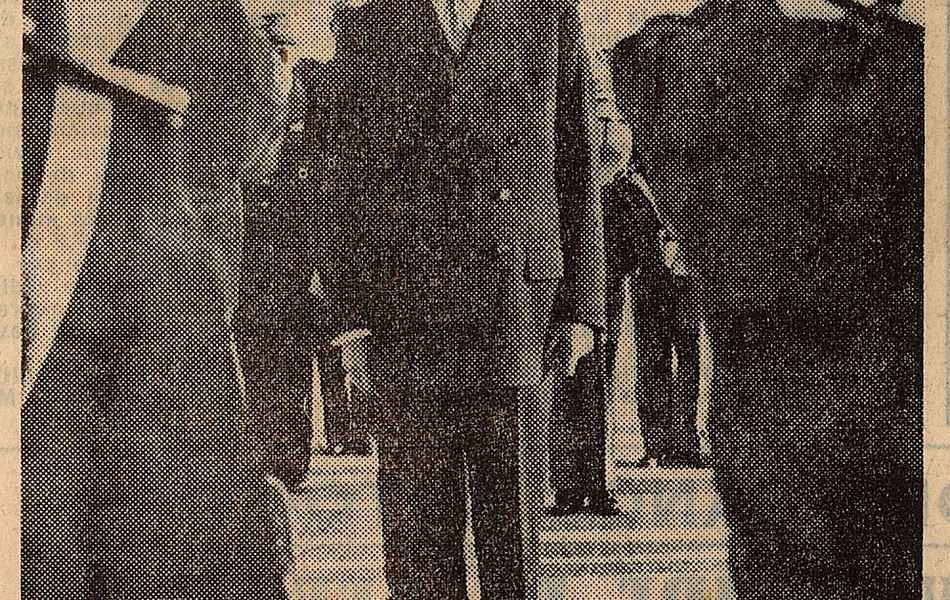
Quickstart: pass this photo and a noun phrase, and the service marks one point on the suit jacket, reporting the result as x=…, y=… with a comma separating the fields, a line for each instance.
x=465, y=198
x=631, y=226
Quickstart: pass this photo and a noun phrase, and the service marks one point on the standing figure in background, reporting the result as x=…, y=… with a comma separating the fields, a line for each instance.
x=347, y=417
x=641, y=255
x=311, y=165
x=273, y=323
x=466, y=226
x=677, y=331
x=578, y=434
x=578, y=425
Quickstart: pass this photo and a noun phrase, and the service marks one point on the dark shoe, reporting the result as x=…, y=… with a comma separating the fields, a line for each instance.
x=603, y=504
x=648, y=462
x=567, y=503
x=689, y=460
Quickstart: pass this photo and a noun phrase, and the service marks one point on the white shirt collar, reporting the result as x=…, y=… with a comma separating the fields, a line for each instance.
x=465, y=11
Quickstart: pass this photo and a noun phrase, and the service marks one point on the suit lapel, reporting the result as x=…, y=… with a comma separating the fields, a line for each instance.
x=484, y=28
x=475, y=31
x=428, y=14
x=493, y=38
x=427, y=18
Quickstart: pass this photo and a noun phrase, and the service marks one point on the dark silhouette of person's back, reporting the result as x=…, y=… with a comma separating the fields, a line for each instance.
x=788, y=155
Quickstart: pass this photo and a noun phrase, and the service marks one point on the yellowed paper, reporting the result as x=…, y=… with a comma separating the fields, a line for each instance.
x=335, y=557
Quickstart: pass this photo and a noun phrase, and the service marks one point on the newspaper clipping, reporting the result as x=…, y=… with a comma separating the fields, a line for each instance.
x=461, y=299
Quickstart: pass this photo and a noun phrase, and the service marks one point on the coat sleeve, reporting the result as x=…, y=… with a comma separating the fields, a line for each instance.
x=580, y=298
x=340, y=281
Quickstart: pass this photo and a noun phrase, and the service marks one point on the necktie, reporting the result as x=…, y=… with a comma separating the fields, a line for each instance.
x=454, y=33
x=453, y=17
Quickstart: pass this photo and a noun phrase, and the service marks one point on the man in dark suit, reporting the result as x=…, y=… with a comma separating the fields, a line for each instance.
x=142, y=475
x=664, y=319
x=273, y=324
x=790, y=162
x=274, y=317
x=457, y=242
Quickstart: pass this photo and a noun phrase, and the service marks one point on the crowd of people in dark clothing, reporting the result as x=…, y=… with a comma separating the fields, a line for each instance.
x=428, y=218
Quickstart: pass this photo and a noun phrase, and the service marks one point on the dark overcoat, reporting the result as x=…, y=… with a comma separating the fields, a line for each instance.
x=788, y=154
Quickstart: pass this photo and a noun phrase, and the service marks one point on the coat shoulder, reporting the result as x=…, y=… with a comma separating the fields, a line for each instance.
x=362, y=28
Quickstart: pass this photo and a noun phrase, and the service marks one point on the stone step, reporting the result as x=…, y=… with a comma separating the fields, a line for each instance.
x=360, y=528
x=670, y=534
x=330, y=552
x=369, y=584
x=617, y=538
x=349, y=565
x=322, y=464
x=330, y=494
x=646, y=511
x=333, y=476
x=669, y=542
x=639, y=511
x=347, y=509
x=363, y=522
x=360, y=474
x=654, y=481
x=638, y=586
x=322, y=582
x=310, y=582
x=554, y=541
x=341, y=469
x=709, y=561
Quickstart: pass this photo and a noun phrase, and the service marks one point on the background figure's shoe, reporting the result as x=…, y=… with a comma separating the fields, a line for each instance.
x=692, y=459
x=567, y=503
x=349, y=448
x=603, y=504
x=356, y=449
x=647, y=462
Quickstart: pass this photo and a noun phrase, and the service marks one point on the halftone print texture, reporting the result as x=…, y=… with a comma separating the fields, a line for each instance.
x=458, y=299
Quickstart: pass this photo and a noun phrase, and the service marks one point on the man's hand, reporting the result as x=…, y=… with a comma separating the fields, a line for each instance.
x=353, y=346
x=569, y=343
x=673, y=256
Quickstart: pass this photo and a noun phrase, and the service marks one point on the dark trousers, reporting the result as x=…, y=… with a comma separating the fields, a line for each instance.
x=435, y=445
x=346, y=410
x=665, y=321
x=278, y=383
x=578, y=430
x=273, y=327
